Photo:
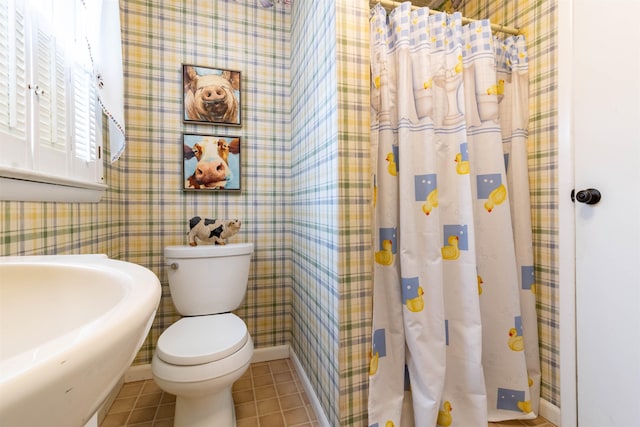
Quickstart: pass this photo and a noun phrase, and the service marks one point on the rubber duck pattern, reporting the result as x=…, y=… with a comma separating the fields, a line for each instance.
x=412, y=294
x=392, y=168
x=444, y=415
x=491, y=189
x=456, y=239
x=527, y=278
x=378, y=350
x=516, y=340
x=426, y=192
x=462, y=160
x=385, y=254
x=513, y=400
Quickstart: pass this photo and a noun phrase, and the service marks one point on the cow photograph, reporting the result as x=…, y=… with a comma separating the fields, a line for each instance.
x=211, y=162
x=211, y=95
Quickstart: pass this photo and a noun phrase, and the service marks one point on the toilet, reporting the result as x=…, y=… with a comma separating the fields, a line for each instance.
x=199, y=357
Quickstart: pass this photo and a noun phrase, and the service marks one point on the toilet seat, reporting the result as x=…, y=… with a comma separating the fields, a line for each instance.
x=217, y=336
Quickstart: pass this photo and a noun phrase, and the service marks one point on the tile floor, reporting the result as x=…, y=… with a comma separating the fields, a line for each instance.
x=269, y=394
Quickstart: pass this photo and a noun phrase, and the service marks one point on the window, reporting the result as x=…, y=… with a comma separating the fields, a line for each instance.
x=50, y=120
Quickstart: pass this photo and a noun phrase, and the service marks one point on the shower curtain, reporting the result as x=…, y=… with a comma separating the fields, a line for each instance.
x=454, y=338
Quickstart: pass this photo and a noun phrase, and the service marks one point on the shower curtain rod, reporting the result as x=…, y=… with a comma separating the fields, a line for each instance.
x=390, y=4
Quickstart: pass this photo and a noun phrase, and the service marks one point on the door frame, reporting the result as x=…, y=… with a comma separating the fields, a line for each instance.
x=566, y=219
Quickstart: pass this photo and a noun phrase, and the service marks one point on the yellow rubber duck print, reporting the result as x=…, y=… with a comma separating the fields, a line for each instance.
x=392, y=168
x=458, y=68
x=525, y=406
x=416, y=304
x=385, y=256
x=451, y=251
x=462, y=167
x=516, y=342
x=428, y=84
x=373, y=364
x=389, y=424
x=480, y=282
x=431, y=202
x=444, y=416
x=376, y=82
x=496, y=197
x=497, y=89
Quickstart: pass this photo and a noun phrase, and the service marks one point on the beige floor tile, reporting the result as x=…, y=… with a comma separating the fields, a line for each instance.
x=258, y=369
x=267, y=392
x=248, y=422
x=125, y=404
x=151, y=399
x=117, y=419
x=166, y=411
x=296, y=416
x=291, y=401
x=276, y=399
x=246, y=410
x=272, y=420
x=243, y=396
x=142, y=415
x=268, y=406
x=279, y=365
x=286, y=388
x=262, y=380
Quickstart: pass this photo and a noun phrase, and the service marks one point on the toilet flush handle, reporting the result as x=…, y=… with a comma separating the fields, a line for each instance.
x=173, y=265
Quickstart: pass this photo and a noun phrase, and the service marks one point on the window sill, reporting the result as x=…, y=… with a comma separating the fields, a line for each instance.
x=26, y=186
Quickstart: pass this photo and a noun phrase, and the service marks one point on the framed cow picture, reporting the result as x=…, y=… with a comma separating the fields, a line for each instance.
x=211, y=95
x=211, y=163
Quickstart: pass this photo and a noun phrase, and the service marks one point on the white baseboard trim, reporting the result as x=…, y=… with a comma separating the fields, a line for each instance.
x=143, y=372
x=311, y=394
x=266, y=354
x=550, y=411
x=138, y=373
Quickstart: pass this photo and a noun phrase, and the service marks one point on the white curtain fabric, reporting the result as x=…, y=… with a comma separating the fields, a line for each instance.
x=105, y=46
x=454, y=325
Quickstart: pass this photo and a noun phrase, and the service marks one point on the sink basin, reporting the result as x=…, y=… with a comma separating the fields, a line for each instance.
x=70, y=326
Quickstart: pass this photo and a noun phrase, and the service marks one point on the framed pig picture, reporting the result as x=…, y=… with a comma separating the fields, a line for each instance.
x=211, y=163
x=211, y=95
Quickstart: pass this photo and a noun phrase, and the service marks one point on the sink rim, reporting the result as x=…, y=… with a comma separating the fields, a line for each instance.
x=128, y=321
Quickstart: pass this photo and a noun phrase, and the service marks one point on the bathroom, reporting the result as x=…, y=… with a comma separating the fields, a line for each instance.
x=305, y=199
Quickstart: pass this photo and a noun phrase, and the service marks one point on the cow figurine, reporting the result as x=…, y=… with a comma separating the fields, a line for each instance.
x=212, y=230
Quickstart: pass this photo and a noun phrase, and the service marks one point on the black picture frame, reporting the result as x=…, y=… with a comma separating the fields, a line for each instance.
x=211, y=95
x=211, y=163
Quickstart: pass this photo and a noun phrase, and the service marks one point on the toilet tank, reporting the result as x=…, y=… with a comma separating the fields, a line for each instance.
x=208, y=279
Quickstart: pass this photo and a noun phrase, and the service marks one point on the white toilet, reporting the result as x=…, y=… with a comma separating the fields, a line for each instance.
x=199, y=357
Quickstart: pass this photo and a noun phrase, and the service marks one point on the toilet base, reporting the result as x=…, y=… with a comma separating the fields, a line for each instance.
x=216, y=410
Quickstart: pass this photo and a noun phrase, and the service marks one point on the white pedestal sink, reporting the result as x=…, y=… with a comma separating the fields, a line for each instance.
x=70, y=325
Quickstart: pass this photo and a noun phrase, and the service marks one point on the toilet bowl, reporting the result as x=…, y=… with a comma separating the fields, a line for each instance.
x=200, y=356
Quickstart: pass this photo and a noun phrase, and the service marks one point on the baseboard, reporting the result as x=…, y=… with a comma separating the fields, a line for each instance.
x=550, y=411
x=311, y=394
x=138, y=373
x=265, y=354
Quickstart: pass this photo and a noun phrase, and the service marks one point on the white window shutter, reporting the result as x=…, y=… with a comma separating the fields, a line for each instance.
x=14, y=147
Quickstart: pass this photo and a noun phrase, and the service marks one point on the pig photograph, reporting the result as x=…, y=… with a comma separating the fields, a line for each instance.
x=211, y=95
x=211, y=162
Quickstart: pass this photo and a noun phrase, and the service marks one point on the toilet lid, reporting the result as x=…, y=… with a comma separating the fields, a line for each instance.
x=202, y=339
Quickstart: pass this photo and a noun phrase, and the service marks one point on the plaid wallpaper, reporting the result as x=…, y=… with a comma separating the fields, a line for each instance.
x=330, y=197
x=314, y=196
x=537, y=20
x=159, y=36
